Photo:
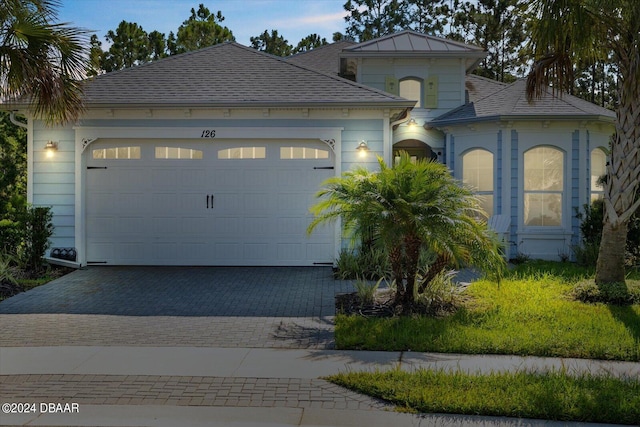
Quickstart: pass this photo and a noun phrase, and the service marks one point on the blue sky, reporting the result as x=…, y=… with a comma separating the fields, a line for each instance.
x=294, y=19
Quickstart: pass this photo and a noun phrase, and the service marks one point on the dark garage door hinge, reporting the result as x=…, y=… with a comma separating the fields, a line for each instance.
x=323, y=167
x=96, y=167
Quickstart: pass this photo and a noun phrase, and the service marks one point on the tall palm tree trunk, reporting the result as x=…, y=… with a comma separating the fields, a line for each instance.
x=623, y=171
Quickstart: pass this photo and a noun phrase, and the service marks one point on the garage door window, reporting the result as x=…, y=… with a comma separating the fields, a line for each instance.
x=297, y=153
x=243, y=153
x=125, y=153
x=171, y=153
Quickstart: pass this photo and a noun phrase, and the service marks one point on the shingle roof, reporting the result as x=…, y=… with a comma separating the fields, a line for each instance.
x=409, y=41
x=229, y=75
x=511, y=102
x=323, y=58
x=480, y=87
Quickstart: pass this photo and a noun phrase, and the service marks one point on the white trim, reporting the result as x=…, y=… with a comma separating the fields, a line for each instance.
x=30, y=157
x=80, y=224
x=91, y=133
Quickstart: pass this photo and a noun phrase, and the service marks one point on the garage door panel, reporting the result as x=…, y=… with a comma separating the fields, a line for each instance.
x=257, y=226
x=165, y=178
x=257, y=179
x=290, y=251
x=102, y=203
x=195, y=226
x=156, y=211
x=224, y=227
x=128, y=177
x=255, y=253
x=130, y=203
x=227, y=251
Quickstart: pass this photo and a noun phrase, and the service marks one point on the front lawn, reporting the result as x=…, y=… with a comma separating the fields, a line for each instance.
x=530, y=313
x=554, y=396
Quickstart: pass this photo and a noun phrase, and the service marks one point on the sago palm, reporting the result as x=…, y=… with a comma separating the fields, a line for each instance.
x=410, y=208
x=568, y=32
x=41, y=61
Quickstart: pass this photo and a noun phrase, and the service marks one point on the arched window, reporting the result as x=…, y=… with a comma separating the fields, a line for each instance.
x=411, y=88
x=477, y=172
x=543, y=186
x=598, y=169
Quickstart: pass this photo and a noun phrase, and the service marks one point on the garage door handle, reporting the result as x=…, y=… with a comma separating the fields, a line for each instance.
x=207, y=201
x=209, y=197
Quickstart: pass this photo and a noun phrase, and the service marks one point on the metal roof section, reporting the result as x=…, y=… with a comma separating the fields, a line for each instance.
x=409, y=43
x=230, y=75
x=510, y=103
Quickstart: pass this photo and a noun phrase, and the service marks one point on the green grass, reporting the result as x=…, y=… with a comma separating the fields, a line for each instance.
x=530, y=313
x=553, y=396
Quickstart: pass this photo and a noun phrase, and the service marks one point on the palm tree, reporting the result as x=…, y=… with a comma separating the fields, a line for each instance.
x=570, y=31
x=41, y=62
x=410, y=208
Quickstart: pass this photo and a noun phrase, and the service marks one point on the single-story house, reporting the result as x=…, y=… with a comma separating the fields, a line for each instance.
x=214, y=157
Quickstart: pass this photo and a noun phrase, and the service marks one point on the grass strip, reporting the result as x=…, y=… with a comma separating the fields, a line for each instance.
x=552, y=396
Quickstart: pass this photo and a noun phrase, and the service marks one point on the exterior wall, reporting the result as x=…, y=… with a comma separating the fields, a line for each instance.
x=52, y=180
x=59, y=181
x=508, y=142
x=450, y=72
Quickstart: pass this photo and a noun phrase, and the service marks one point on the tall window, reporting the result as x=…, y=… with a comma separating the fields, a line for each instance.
x=477, y=172
x=411, y=88
x=543, y=186
x=598, y=168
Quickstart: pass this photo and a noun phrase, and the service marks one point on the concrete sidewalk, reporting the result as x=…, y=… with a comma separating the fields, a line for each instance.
x=140, y=386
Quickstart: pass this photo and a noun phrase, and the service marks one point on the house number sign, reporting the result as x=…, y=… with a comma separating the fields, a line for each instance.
x=208, y=133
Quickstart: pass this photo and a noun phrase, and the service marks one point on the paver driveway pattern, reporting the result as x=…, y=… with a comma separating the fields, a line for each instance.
x=186, y=291
x=177, y=306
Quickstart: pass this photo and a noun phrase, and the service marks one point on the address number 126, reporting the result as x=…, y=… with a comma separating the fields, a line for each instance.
x=208, y=133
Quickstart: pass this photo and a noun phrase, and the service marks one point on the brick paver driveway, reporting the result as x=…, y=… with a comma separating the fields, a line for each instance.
x=177, y=306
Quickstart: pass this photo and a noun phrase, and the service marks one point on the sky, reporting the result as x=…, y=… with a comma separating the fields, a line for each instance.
x=294, y=19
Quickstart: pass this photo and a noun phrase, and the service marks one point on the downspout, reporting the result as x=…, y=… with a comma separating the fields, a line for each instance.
x=15, y=121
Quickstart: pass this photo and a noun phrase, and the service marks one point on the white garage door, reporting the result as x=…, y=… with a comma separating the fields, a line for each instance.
x=178, y=203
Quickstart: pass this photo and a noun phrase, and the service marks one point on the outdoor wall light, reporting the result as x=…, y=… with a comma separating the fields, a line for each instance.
x=411, y=122
x=362, y=148
x=50, y=148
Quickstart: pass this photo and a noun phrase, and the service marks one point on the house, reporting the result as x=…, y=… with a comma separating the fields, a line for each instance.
x=213, y=157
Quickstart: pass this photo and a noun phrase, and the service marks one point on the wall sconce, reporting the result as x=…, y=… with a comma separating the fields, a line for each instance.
x=362, y=148
x=50, y=148
x=411, y=122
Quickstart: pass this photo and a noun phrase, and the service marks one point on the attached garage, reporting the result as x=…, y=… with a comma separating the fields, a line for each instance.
x=171, y=202
x=210, y=158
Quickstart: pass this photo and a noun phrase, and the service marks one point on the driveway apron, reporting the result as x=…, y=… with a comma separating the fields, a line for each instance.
x=277, y=307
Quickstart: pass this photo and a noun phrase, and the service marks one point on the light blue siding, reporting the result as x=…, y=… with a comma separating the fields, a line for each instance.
x=498, y=190
x=513, y=239
x=53, y=180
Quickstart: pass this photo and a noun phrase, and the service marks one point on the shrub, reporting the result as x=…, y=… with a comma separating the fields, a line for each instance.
x=591, y=230
x=37, y=231
x=366, y=291
x=608, y=293
x=367, y=263
x=440, y=296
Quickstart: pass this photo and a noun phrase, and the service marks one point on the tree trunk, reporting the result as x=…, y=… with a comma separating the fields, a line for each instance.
x=623, y=170
x=610, y=267
x=395, y=259
x=412, y=256
x=438, y=265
